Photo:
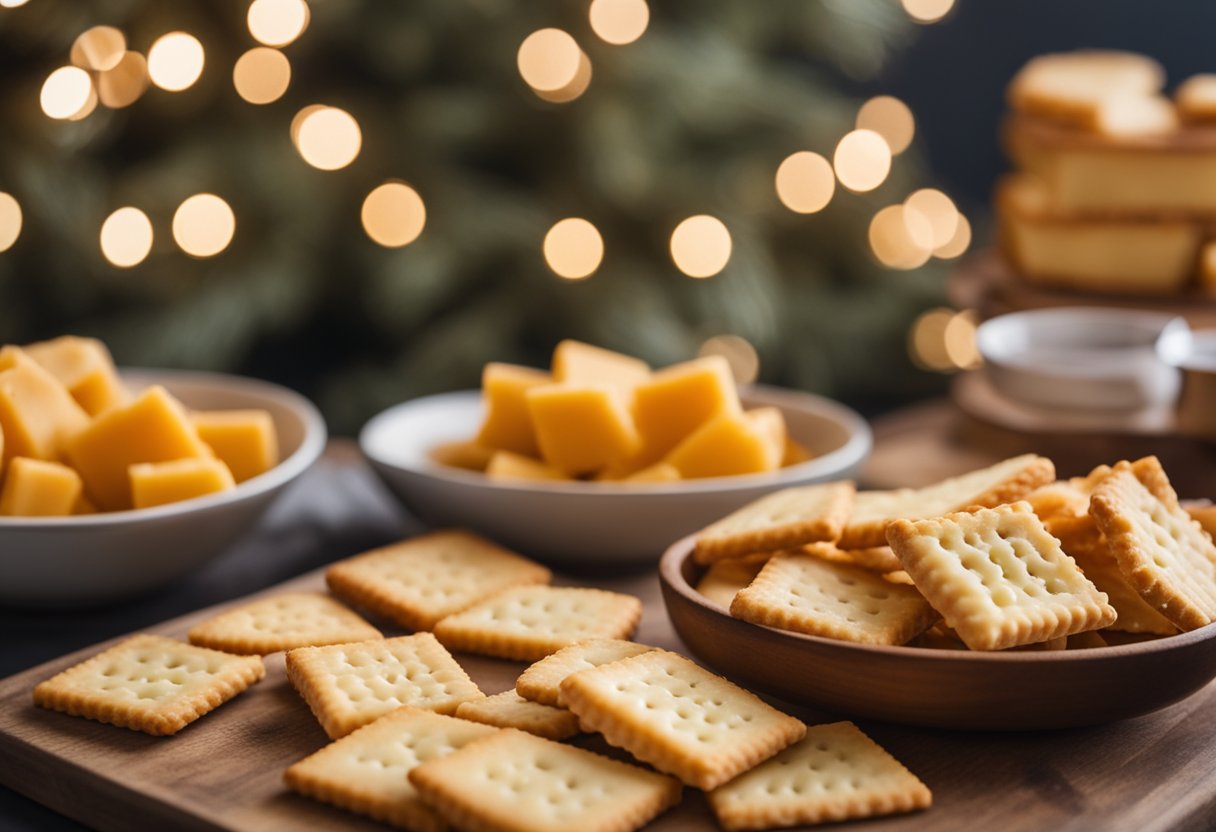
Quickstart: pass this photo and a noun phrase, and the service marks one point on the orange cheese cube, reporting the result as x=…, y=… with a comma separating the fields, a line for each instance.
x=467, y=455
x=505, y=465
x=577, y=363
x=85, y=368
x=83, y=506
x=679, y=399
x=507, y=425
x=37, y=488
x=794, y=453
x=732, y=443
x=771, y=424
x=37, y=414
x=158, y=483
x=153, y=428
x=581, y=429
x=659, y=472
x=244, y=440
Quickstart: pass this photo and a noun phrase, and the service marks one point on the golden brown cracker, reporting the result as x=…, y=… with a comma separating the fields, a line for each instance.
x=780, y=520
x=282, y=622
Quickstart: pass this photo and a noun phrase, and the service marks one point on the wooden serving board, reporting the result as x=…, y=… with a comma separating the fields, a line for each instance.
x=1150, y=774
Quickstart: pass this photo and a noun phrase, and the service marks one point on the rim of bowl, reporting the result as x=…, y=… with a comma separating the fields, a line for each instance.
x=310, y=449
x=671, y=573
x=853, y=451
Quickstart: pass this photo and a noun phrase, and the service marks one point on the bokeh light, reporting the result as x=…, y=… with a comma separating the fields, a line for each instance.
x=742, y=357
x=805, y=182
x=862, y=160
x=927, y=340
x=277, y=22
x=10, y=220
x=125, y=83
x=99, y=48
x=175, y=61
x=327, y=137
x=958, y=244
x=66, y=92
x=90, y=104
x=577, y=86
x=12, y=4
x=126, y=237
x=700, y=246
x=203, y=225
x=901, y=237
x=927, y=11
x=890, y=118
x=261, y=75
x=619, y=21
x=393, y=214
x=959, y=340
x=548, y=60
x=939, y=210
x=573, y=248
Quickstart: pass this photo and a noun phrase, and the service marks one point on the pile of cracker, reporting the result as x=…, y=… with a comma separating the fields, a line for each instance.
x=416, y=743
x=1006, y=557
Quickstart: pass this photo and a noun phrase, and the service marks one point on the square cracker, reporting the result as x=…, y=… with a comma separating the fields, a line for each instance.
x=541, y=682
x=874, y=559
x=516, y=782
x=366, y=771
x=988, y=487
x=350, y=685
x=282, y=622
x=669, y=712
x=149, y=683
x=805, y=594
x=998, y=577
x=510, y=710
x=1164, y=554
x=781, y=520
x=418, y=581
x=725, y=578
x=530, y=622
x=836, y=773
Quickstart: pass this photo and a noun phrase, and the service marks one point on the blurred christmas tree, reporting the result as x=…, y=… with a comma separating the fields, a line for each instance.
x=691, y=118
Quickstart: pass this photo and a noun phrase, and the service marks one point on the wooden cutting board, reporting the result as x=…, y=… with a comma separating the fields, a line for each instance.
x=1154, y=773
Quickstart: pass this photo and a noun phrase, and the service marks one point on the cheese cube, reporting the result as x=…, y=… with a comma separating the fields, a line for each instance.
x=581, y=429
x=467, y=455
x=679, y=399
x=37, y=414
x=83, y=506
x=794, y=453
x=153, y=428
x=507, y=425
x=244, y=440
x=771, y=424
x=732, y=443
x=84, y=367
x=659, y=472
x=37, y=488
x=158, y=483
x=505, y=465
x=577, y=363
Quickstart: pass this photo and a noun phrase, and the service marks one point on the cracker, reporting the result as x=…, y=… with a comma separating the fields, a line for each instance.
x=726, y=577
x=1196, y=99
x=780, y=520
x=541, y=682
x=836, y=773
x=366, y=771
x=418, y=581
x=1086, y=641
x=988, y=487
x=1205, y=516
x=350, y=685
x=149, y=683
x=998, y=578
x=282, y=622
x=515, y=782
x=669, y=712
x=1074, y=87
x=1163, y=553
x=874, y=559
x=530, y=622
x=805, y=594
x=510, y=710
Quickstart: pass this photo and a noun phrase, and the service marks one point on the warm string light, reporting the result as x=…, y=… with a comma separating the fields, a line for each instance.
x=573, y=248
x=890, y=118
x=901, y=237
x=393, y=214
x=175, y=61
x=577, y=86
x=67, y=92
x=700, y=246
x=261, y=75
x=619, y=21
x=99, y=48
x=943, y=340
x=326, y=137
x=939, y=210
x=927, y=11
x=862, y=160
x=958, y=244
x=126, y=237
x=549, y=61
x=805, y=182
x=277, y=22
x=203, y=225
x=742, y=357
x=12, y=4
x=123, y=85
x=10, y=221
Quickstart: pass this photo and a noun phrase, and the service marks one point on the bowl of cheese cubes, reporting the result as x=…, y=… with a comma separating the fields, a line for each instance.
x=602, y=460
x=114, y=482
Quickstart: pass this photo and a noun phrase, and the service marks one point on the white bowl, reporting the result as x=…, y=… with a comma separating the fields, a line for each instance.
x=571, y=523
x=1080, y=358
x=97, y=558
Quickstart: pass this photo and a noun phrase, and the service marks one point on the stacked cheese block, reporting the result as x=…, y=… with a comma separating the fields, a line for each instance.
x=75, y=442
x=1115, y=191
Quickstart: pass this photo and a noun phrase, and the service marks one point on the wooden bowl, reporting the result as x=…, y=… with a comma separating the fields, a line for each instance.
x=956, y=689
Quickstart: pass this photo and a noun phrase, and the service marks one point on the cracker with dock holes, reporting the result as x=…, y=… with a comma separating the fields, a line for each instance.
x=282, y=622
x=366, y=771
x=350, y=685
x=998, y=577
x=874, y=559
x=541, y=682
x=1164, y=554
x=725, y=578
x=515, y=782
x=780, y=520
x=510, y=710
x=418, y=581
x=667, y=711
x=530, y=622
x=149, y=683
x=805, y=594
x=835, y=773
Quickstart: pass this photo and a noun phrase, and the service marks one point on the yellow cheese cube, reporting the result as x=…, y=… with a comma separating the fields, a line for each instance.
x=771, y=424
x=83, y=506
x=581, y=429
x=467, y=455
x=37, y=414
x=507, y=425
x=37, y=488
x=158, y=483
x=679, y=399
x=245, y=440
x=84, y=367
x=153, y=428
x=577, y=363
x=659, y=472
x=505, y=465
x=733, y=443
x=794, y=453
